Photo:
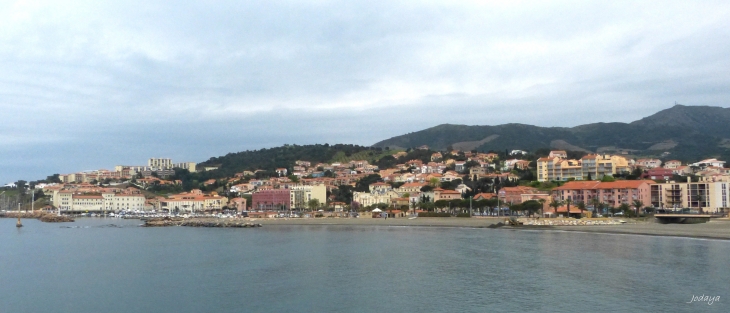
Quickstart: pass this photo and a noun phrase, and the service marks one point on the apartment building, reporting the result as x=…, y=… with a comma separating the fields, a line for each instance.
x=159, y=163
x=595, y=166
x=70, y=201
x=556, y=168
x=301, y=195
x=592, y=166
x=379, y=193
x=611, y=193
x=705, y=195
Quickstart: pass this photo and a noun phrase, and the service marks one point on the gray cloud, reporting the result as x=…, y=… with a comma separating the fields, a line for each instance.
x=91, y=85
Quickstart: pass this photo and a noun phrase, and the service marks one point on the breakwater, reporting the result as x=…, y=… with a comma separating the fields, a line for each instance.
x=167, y=221
x=42, y=216
x=570, y=222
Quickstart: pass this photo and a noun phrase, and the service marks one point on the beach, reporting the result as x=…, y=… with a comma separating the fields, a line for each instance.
x=715, y=229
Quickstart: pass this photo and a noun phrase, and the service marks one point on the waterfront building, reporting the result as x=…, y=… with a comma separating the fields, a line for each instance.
x=611, y=193
x=705, y=195
x=300, y=195
x=271, y=199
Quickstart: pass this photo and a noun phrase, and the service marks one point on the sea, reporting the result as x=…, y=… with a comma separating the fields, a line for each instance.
x=113, y=265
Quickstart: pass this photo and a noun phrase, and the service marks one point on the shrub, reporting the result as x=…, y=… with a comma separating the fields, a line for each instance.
x=433, y=214
x=463, y=215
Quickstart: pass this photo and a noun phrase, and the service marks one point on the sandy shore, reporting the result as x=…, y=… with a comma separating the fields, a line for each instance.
x=421, y=221
x=715, y=229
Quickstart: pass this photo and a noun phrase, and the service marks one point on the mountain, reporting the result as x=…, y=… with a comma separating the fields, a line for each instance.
x=680, y=132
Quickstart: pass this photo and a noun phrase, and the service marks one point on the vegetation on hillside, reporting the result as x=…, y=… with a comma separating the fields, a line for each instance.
x=699, y=132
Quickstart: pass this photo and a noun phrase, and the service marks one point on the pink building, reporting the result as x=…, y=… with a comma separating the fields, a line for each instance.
x=272, y=199
x=611, y=193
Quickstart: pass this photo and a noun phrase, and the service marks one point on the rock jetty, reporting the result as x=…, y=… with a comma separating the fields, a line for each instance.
x=166, y=221
x=570, y=222
x=54, y=218
x=42, y=216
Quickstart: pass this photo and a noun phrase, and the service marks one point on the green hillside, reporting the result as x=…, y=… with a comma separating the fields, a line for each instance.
x=285, y=156
x=682, y=132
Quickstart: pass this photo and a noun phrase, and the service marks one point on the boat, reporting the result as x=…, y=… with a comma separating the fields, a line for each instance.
x=18, y=224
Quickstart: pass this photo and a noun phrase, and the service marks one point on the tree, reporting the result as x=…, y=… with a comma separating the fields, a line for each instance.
x=568, y=202
x=542, y=206
x=607, y=179
x=595, y=202
x=581, y=206
x=532, y=206
x=55, y=178
x=637, y=206
x=363, y=185
x=313, y=204
x=624, y=207
x=555, y=205
x=434, y=182
x=441, y=204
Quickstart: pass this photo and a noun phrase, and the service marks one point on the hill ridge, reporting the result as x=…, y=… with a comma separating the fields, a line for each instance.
x=693, y=131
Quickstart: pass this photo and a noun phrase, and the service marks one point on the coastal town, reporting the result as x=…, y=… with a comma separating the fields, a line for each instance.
x=426, y=183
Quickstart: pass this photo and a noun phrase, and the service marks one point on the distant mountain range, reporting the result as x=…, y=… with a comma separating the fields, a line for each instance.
x=681, y=132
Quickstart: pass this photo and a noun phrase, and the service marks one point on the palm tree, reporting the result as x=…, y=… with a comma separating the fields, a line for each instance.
x=596, y=203
x=555, y=205
x=637, y=204
x=581, y=206
x=568, y=202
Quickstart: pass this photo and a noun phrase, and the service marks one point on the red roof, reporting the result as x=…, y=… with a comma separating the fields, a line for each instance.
x=619, y=184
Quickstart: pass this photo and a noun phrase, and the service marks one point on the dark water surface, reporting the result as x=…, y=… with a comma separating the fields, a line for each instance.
x=95, y=267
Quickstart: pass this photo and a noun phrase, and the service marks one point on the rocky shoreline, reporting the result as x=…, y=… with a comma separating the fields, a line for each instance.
x=167, y=221
x=42, y=216
x=570, y=222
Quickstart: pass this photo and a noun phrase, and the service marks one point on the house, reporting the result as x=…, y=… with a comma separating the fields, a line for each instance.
x=281, y=171
x=449, y=176
x=484, y=196
x=658, y=173
x=303, y=163
x=514, y=194
x=517, y=152
x=682, y=170
x=462, y=188
x=443, y=194
x=459, y=166
x=558, y=154
x=573, y=211
x=239, y=204
x=709, y=162
x=649, y=163
x=410, y=188
x=672, y=164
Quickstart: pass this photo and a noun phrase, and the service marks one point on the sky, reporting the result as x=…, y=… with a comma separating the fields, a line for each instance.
x=89, y=85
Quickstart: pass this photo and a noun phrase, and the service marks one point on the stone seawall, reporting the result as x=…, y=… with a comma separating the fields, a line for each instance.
x=570, y=222
x=164, y=222
x=42, y=216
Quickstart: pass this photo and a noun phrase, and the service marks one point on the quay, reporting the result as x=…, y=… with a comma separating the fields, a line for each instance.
x=680, y=218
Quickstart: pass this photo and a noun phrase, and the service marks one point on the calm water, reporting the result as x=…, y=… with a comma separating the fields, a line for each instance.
x=97, y=268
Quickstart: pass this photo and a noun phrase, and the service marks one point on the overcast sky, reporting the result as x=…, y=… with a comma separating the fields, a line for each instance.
x=92, y=84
